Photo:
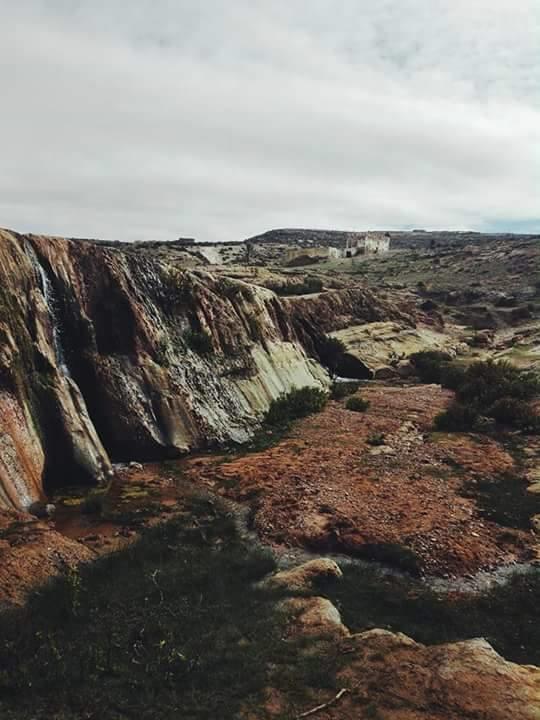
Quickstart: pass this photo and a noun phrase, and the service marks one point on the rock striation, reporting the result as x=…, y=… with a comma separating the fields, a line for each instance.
x=109, y=353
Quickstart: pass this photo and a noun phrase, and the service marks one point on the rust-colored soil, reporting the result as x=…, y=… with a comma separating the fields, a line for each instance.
x=32, y=551
x=326, y=488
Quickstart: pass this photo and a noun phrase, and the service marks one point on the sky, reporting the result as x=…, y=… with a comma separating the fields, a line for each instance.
x=220, y=119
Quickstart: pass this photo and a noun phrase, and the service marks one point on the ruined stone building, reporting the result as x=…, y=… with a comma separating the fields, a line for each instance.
x=370, y=243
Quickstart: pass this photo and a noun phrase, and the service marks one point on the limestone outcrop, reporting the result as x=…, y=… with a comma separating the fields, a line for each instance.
x=380, y=349
x=110, y=354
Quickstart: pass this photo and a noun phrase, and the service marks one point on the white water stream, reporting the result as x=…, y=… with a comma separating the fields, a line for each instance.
x=48, y=292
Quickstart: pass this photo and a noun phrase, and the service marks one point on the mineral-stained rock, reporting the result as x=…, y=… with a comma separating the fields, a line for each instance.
x=111, y=353
x=403, y=680
x=378, y=348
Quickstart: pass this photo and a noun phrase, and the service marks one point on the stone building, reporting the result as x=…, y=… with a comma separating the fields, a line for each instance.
x=371, y=243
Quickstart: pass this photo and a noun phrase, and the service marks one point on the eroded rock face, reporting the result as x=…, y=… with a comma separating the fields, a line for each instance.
x=403, y=680
x=110, y=354
x=387, y=675
x=378, y=348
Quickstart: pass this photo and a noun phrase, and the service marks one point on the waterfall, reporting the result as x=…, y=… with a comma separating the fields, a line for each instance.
x=51, y=302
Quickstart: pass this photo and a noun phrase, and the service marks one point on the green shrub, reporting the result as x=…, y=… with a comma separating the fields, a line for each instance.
x=452, y=376
x=199, y=341
x=298, y=403
x=428, y=365
x=94, y=502
x=376, y=439
x=514, y=412
x=484, y=389
x=488, y=381
x=342, y=390
x=357, y=404
x=458, y=418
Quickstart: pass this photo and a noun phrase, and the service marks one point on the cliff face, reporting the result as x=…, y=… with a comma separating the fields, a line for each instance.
x=110, y=355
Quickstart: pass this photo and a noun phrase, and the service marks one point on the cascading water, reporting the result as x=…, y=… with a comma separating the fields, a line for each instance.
x=49, y=296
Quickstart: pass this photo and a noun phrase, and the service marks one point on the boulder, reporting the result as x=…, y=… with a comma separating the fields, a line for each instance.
x=304, y=578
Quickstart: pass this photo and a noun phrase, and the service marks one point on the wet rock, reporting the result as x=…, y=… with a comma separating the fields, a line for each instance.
x=42, y=509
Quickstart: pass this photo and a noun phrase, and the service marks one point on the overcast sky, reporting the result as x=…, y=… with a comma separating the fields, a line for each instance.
x=219, y=119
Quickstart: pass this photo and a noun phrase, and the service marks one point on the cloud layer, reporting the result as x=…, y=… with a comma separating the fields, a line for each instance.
x=153, y=119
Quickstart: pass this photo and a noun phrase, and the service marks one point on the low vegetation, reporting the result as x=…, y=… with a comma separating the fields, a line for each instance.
x=172, y=627
x=486, y=392
x=376, y=439
x=341, y=390
x=357, y=404
x=507, y=616
x=298, y=403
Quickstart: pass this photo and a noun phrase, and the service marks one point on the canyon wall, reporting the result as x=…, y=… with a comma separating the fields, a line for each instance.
x=111, y=355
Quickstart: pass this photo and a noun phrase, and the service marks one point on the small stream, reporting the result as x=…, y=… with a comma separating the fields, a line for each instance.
x=51, y=302
x=472, y=584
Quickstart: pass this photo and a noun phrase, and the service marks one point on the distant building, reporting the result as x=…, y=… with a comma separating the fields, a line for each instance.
x=371, y=243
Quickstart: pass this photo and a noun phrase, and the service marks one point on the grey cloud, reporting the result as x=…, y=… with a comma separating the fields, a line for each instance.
x=163, y=118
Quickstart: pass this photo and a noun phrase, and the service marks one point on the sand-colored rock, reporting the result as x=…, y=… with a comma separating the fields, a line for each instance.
x=381, y=346
x=403, y=680
x=305, y=578
x=313, y=616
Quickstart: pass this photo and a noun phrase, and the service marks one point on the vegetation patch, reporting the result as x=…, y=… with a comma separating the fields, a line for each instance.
x=376, y=439
x=357, y=404
x=342, y=390
x=507, y=616
x=504, y=500
x=331, y=352
x=171, y=627
x=485, y=391
x=297, y=403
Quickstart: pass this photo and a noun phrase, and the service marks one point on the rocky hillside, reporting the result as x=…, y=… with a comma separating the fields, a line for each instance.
x=110, y=354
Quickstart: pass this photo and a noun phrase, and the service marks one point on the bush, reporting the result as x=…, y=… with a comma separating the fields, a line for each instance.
x=488, y=381
x=514, y=412
x=458, y=418
x=376, y=439
x=94, y=502
x=342, y=390
x=428, y=365
x=298, y=403
x=485, y=389
x=199, y=341
x=357, y=404
x=452, y=376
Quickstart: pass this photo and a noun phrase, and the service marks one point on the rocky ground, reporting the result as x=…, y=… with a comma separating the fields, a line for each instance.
x=388, y=676
x=377, y=484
